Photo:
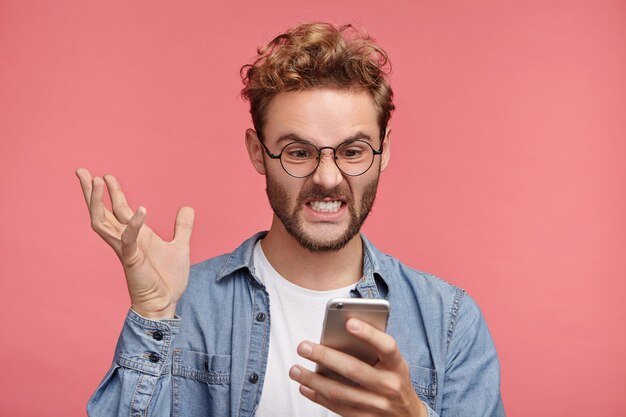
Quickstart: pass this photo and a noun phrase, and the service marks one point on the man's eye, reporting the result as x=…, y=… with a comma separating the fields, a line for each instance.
x=300, y=154
x=352, y=153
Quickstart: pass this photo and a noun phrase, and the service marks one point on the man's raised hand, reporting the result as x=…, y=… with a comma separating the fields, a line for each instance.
x=156, y=271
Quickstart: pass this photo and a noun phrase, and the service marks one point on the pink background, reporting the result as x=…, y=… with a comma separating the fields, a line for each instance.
x=507, y=174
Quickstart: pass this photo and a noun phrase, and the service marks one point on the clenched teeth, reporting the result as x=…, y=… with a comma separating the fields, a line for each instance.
x=326, y=206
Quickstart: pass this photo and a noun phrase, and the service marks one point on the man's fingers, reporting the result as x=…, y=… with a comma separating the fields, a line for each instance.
x=184, y=225
x=384, y=344
x=96, y=205
x=336, y=396
x=130, y=233
x=340, y=362
x=335, y=407
x=118, y=200
x=341, y=409
x=85, y=183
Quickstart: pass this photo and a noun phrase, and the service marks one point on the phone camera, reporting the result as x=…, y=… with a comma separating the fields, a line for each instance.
x=339, y=306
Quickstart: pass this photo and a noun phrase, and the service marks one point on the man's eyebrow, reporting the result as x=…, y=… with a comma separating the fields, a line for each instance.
x=292, y=137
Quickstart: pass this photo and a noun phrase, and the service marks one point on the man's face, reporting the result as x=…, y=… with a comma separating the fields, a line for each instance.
x=325, y=210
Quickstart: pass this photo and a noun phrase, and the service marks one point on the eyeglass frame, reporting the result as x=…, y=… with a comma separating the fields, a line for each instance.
x=319, y=155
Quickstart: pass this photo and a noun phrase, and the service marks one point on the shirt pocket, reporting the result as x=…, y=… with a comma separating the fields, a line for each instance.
x=424, y=382
x=200, y=384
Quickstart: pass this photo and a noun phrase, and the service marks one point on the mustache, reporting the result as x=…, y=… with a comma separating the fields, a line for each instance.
x=315, y=192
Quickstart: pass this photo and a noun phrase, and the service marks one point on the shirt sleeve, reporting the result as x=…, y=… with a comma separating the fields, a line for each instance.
x=472, y=376
x=139, y=380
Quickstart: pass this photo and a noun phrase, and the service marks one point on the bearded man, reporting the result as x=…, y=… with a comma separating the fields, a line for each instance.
x=237, y=335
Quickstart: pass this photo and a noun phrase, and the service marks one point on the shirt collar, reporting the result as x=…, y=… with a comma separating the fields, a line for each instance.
x=375, y=280
x=241, y=257
x=373, y=284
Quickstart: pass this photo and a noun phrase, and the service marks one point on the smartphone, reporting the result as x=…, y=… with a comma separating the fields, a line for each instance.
x=334, y=334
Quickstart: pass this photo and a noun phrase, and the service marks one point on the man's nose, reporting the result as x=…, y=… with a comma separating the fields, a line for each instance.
x=327, y=173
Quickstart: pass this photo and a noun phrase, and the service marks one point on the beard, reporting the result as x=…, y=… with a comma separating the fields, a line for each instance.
x=279, y=201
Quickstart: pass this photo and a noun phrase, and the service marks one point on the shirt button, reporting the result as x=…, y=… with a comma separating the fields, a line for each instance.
x=254, y=378
x=260, y=317
x=157, y=335
x=154, y=357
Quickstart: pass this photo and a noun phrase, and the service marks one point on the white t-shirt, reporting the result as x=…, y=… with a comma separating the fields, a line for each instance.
x=296, y=314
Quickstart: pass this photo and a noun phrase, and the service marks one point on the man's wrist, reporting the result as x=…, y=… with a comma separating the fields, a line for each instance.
x=423, y=411
x=166, y=314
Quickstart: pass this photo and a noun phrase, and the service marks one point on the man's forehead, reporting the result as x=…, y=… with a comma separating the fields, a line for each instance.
x=318, y=98
x=321, y=114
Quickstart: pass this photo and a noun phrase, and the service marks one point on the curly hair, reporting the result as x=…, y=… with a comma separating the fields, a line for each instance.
x=317, y=55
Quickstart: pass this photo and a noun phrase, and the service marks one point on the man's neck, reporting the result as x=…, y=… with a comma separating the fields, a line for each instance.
x=318, y=271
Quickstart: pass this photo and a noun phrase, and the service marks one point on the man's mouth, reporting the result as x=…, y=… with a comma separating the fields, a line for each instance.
x=325, y=206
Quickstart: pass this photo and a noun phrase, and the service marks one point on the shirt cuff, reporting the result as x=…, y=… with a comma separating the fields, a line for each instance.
x=145, y=345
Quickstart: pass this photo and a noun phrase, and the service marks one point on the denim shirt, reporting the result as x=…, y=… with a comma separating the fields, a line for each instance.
x=211, y=359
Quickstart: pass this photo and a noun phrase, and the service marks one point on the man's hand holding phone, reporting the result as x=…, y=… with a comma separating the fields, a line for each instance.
x=383, y=389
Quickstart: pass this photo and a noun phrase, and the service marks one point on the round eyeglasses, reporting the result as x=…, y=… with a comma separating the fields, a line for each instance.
x=301, y=159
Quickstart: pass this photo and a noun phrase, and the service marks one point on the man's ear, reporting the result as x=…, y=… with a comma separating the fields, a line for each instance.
x=384, y=158
x=255, y=151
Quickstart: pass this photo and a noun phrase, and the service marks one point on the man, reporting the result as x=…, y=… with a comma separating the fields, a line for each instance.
x=236, y=335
